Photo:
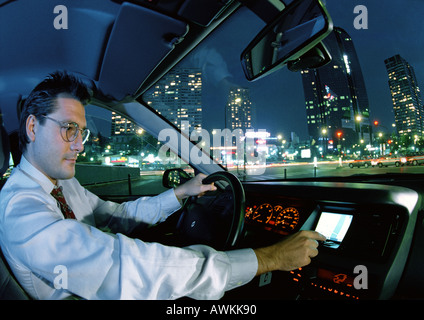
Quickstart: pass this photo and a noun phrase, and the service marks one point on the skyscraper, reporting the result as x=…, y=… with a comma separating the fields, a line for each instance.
x=406, y=97
x=178, y=97
x=336, y=99
x=240, y=116
x=122, y=126
x=239, y=112
x=122, y=132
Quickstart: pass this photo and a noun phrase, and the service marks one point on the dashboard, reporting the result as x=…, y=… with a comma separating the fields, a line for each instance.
x=369, y=230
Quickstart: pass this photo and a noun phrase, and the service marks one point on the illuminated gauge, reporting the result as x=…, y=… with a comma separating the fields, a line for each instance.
x=263, y=213
x=287, y=218
x=278, y=210
x=249, y=211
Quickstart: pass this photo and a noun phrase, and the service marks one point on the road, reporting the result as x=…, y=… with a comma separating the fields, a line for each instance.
x=150, y=183
x=323, y=169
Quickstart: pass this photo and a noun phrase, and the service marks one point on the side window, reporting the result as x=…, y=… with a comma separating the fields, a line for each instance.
x=120, y=157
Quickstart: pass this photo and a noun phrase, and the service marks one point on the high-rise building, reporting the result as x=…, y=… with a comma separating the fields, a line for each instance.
x=336, y=99
x=406, y=97
x=240, y=111
x=178, y=97
x=122, y=126
x=240, y=118
x=122, y=132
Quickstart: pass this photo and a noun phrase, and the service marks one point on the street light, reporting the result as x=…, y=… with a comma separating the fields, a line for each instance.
x=324, y=140
x=380, y=135
x=339, y=145
x=358, y=120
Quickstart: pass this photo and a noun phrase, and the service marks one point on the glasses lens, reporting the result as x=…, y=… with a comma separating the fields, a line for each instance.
x=70, y=133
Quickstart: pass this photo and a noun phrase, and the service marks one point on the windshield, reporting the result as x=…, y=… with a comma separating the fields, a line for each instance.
x=360, y=114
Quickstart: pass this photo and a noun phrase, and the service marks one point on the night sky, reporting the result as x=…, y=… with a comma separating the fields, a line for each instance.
x=394, y=27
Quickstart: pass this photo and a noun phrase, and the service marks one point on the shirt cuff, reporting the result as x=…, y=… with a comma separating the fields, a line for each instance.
x=169, y=204
x=173, y=200
x=244, y=266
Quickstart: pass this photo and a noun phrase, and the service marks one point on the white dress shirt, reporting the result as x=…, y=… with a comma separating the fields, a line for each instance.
x=54, y=258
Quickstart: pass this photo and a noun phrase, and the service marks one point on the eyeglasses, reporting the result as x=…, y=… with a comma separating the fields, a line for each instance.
x=69, y=130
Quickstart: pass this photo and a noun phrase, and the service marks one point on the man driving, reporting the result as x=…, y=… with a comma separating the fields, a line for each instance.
x=48, y=220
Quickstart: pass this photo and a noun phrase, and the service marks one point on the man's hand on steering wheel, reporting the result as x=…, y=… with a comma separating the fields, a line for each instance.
x=216, y=219
x=193, y=187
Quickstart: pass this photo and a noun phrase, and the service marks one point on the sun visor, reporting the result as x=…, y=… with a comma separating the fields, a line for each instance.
x=139, y=40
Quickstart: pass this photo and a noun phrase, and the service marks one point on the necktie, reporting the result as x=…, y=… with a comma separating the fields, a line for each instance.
x=66, y=210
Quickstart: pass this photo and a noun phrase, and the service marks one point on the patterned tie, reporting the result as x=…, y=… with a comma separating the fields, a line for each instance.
x=66, y=210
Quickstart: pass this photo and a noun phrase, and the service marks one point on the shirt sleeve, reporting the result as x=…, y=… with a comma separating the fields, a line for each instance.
x=99, y=265
x=121, y=217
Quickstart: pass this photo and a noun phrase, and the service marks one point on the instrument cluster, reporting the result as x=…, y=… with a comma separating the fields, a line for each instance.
x=276, y=217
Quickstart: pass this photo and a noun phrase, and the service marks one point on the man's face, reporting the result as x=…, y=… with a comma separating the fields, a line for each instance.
x=49, y=152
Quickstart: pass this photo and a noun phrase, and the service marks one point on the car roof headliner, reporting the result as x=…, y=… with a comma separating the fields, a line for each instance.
x=114, y=45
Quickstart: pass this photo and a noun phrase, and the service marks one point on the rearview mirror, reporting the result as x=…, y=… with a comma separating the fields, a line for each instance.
x=296, y=30
x=317, y=57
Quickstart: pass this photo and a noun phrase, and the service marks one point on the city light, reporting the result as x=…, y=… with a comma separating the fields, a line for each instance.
x=346, y=61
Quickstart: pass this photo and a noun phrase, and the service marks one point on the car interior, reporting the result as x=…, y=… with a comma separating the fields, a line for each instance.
x=122, y=49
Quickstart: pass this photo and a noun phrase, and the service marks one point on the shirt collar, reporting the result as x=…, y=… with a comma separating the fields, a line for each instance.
x=26, y=167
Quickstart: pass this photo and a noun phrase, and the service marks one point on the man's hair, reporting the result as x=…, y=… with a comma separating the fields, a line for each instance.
x=42, y=99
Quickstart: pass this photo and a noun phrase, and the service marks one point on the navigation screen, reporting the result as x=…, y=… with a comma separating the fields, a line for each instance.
x=333, y=226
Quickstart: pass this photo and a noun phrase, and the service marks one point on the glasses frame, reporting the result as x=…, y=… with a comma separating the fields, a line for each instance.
x=66, y=125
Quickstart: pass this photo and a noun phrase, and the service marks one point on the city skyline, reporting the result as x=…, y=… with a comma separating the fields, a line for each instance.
x=178, y=97
x=392, y=29
x=388, y=33
x=373, y=48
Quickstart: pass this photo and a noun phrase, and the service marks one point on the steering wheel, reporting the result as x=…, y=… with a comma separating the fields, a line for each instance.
x=215, y=219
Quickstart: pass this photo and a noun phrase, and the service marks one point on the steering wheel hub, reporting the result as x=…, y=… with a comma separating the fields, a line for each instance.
x=217, y=218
